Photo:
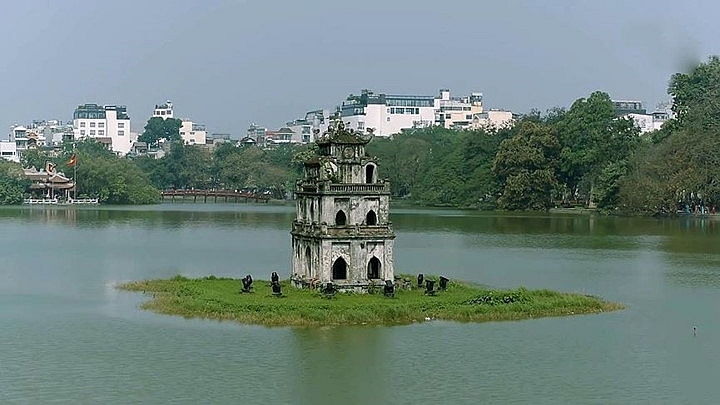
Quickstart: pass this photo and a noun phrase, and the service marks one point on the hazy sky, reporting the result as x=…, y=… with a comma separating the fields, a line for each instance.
x=230, y=63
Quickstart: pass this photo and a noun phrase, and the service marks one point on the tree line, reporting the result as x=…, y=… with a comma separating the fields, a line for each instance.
x=581, y=156
x=585, y=155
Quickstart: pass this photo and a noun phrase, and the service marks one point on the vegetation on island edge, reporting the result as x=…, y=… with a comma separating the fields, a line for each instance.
x=583, y=156
x=222, y=299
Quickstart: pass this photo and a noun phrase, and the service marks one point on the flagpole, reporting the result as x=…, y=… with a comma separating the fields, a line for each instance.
x=75, y=174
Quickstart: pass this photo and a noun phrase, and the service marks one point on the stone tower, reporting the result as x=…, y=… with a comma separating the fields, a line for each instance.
x=342, y=232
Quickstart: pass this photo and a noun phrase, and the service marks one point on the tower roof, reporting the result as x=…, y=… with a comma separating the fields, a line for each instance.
x=338, y=134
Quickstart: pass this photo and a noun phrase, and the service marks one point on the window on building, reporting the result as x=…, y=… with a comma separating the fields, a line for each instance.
x=82, y=125
x=340, y=218
x=92, y=132
x=101, y=132
x=92, y=125
x=373, y=268
x=468, y=116
x=101, y=125
x=339, y=269
x=361, y=125
x=371, y=218
x=121, y=133
x=369, y=173
x=82, y=132
x=308, y=261
x=388, y=118
x=121, y=125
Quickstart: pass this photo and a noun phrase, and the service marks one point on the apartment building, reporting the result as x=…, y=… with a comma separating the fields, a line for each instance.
x=387, y=114
x=390, y=114
x=109, y=125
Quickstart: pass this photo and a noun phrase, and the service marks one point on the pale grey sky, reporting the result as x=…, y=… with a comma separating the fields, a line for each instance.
x=229, y=63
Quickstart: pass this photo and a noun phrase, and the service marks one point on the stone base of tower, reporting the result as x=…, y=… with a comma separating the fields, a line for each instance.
x=359, y=286
x=354, y=261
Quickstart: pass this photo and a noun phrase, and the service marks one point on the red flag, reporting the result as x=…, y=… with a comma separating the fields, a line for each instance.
x=73, y=160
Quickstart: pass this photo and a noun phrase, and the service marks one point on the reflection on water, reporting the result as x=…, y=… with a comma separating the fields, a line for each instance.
x=329, y=361
x=67, y=335
x=170, y=216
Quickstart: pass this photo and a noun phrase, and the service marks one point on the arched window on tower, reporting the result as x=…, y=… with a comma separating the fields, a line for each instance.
x=340, y=218
x=373, y=268
x=370, y=173
x=308, y=262
x=339, y=269
x=371, y=218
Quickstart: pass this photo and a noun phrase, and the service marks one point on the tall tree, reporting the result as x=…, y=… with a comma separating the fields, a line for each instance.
x=591, y=137
x=696, y=96
x=682, y=166
x=525, y=166
x=158, y=129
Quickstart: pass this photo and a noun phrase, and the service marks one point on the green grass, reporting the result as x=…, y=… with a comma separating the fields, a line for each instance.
x=220, y=298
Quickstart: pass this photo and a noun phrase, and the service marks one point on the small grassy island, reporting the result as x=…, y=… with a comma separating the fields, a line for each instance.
x=222, y=299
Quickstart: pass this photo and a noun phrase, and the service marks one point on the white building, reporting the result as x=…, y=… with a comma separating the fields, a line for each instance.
x=109, y=125
x=283, y=135
x=492, y=120
x=645, y=122
x=25, y=138
x=457, y=112
x=648, y=122
x=164, y=110
x=387, y=114
x=192, y=133
x=8, y=151
x=390, y=114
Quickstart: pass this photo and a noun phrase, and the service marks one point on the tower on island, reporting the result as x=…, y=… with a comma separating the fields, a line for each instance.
x=342, y=231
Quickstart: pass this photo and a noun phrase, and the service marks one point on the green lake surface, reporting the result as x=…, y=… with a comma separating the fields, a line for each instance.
x=67, y=335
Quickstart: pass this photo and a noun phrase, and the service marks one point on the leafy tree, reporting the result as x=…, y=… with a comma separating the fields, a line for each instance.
x=478, y=150
x=156, y=170
x=682, y=164
x=189, y=166
x=12, y=184
x=34, y=158
x=696, y=96
x=158, y=130
x=114, y=180
x=525, y=166
x=592, y=137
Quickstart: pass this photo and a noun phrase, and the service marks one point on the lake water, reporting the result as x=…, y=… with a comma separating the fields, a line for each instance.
x=68, y=335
